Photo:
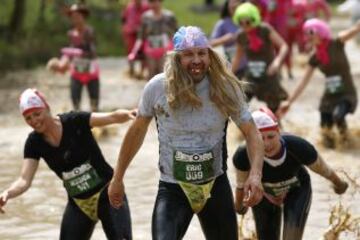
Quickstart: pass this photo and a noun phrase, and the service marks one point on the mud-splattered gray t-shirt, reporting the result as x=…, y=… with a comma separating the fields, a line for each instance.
x=189, y=130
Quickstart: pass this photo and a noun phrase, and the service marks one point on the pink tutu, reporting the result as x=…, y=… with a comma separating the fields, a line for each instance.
x=157, y=53
x=71, y=52
x=87, y=74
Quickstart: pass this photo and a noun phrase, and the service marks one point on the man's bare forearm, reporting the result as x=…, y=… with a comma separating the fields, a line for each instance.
x=132, y=142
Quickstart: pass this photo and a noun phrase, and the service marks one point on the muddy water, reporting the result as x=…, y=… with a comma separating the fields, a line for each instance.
x=37, y=213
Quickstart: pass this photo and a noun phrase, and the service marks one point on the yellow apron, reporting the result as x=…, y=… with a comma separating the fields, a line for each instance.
x=80, y=180
x=89, y=206
x=197, y=194
x=190, y=171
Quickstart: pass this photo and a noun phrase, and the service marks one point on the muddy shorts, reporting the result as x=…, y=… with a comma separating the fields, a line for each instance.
x=329, y=102
x=267, y=90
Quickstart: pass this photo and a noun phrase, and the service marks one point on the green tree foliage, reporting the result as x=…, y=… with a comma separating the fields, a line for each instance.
x=35, y=30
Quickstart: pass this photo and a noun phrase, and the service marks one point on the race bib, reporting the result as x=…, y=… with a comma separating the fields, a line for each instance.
x=256, y=68
x=230, y=52
x=193, y=168
x=158, y=41
x=280, y=188
x=334, y=84
x=81, y=179
x=82, y=65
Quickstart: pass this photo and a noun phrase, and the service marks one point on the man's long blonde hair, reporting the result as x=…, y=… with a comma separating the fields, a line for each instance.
x=224, y=86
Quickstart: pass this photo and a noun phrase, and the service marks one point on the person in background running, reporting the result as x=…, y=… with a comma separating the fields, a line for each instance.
x=80, y=58
x=317, y=9
x=294, y=35
x=286, y=182
x=353, y=8
x=68, y=147
x=131, y=22
x=157, y=27
x=263, y=6
x=192, y=102
x=225, y=32
x=339, y=97
x=257, y=42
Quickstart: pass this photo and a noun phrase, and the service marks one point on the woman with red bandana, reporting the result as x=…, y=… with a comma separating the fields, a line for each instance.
x=66, y=144
x=257, y=42
x=339, y=97
x=286, y=182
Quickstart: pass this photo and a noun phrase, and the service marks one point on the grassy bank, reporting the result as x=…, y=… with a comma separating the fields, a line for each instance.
x=40, y=39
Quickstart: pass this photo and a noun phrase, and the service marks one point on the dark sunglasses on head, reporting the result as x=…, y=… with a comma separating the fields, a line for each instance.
x=310, y=32
x=245, y=22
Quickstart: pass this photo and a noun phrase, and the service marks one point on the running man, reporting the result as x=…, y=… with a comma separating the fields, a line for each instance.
x=286, y=182
x=192, y=102
x=68, y=147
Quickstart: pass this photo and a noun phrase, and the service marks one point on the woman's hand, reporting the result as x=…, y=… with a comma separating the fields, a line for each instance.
x=3, y=200
x=58, y=65
x=340, y=187
x=131, y=57
x=125, y=115
x=98, y=119
x=132, y=114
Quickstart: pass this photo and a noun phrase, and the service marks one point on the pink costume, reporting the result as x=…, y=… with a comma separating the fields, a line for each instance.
x=263, y=6
x=131, y=22
x=82, y=53
x=296, y=18
x=315, y=7
x=278, y=15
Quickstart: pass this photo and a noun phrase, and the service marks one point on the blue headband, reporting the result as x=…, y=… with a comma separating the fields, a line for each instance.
x=189, y=37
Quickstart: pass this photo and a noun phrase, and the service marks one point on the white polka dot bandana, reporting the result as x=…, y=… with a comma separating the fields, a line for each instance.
x=31, y=99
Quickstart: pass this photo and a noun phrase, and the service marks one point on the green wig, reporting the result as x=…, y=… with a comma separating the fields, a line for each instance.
x=247, y=11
